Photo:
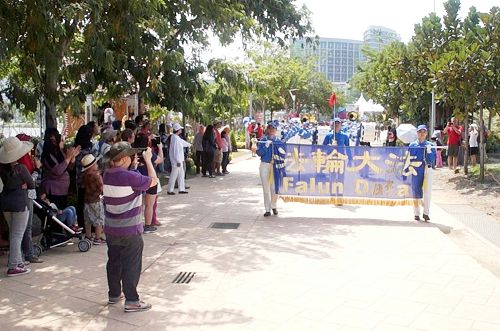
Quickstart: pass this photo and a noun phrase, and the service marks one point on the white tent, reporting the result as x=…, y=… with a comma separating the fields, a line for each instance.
x=369, y=106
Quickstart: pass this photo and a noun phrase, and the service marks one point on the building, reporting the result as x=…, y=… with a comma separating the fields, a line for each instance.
x=337, y=58
x=377, y=37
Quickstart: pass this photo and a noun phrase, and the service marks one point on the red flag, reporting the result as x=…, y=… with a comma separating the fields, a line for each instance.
x=333, y=100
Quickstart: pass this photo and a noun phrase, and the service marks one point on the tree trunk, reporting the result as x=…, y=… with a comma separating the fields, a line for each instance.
x=466, y=140
x=50, y=96
x=140, y=98
x=482, y=150
x=490, y=119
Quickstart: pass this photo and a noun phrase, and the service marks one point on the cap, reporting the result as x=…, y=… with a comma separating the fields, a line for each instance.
x=422, y=127
x=272, y=125
x=120, y=150
x=336, y=119
x=176, y=127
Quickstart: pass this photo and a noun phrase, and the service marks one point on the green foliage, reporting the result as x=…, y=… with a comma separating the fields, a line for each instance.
x=460, y=60
x=63, y=50
x=233, y=142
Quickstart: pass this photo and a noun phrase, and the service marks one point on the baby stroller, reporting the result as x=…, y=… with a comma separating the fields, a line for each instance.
x=54, y=232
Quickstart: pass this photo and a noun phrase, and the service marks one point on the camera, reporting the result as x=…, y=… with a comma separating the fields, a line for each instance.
x=156, y=140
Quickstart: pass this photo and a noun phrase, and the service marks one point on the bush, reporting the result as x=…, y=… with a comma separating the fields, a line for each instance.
x=234, y=145
x=493, y=143
x=240, y=144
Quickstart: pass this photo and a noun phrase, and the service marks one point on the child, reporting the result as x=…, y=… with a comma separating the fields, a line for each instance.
x=93, y=210
x=67, y=216
x=253, y=145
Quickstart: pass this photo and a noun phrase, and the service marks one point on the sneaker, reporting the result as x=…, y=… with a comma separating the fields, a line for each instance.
x=18, y=271
x=137, y=307
x=267, y=214
x=225, y=172
x=34, y=259
x=149, y=229
x=183, y=192
x=275, y=211
x=426, y=218
x=112, y=301
x=417, y=218
x=98, y=242
x=170, y=193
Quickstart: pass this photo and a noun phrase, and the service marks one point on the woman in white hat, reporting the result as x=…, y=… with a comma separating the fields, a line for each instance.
x=14, y=200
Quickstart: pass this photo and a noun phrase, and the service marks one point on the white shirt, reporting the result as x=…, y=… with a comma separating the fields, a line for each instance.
x=473, y=139
x=176, y=152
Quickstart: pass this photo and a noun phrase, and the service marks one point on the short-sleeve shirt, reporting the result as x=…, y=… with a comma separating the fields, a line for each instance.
x=143, y=168
x=92, y=182
x=123, y=201
x=453, y=137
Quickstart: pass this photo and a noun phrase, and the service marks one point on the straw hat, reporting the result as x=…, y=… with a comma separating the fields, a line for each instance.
x=88, y=161
x=13, y=149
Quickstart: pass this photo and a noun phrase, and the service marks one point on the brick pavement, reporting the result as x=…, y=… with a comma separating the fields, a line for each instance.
x=311, y=268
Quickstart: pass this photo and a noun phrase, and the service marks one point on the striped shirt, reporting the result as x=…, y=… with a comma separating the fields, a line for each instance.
x=123, y=201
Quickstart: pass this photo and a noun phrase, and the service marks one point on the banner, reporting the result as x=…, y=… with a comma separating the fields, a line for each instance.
x=389, y=176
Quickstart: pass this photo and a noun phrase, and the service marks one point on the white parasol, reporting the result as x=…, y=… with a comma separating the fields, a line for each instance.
x=407, y=133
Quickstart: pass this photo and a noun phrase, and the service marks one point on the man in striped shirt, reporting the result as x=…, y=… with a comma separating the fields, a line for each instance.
x=123, y=189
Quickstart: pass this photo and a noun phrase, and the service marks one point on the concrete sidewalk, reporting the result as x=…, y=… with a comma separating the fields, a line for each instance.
x=310, y=268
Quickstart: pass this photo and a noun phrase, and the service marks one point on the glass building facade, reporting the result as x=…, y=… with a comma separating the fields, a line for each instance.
x=336, y=58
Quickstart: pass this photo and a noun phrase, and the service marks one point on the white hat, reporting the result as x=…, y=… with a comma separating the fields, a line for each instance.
x=176, y=127
x=88, y=161
x=13, y=149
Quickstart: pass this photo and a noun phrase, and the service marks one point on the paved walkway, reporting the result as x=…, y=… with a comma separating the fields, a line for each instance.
x=311, y=268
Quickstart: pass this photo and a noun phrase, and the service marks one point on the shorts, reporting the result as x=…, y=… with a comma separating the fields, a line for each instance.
x=453, y=150
x=474, y=150
x=93, y=213
x=152, y=190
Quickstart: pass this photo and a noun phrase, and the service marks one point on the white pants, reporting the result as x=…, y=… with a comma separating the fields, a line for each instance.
x=177, y=174
x=427, y=189
x=270, y=197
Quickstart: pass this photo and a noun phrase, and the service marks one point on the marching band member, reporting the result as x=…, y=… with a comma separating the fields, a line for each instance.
x=336, y=137
x=265, y=151
x=430, y=159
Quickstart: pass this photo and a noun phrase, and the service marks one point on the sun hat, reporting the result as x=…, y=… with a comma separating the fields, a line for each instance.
x=89, y=160
x=176, y=127
x=120, y=150
x=13, y=149
x=422, y=127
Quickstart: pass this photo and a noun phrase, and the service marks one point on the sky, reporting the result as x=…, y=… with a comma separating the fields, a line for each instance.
x=349, y=19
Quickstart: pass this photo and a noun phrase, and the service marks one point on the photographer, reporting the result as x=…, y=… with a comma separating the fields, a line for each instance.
x=150, y=198
x=123, y=190
x=454, y=132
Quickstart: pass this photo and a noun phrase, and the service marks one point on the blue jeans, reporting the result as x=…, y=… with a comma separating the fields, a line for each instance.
x=17, y=222
x=68, y=216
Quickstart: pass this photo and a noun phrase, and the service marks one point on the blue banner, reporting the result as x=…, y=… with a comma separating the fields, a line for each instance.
x=349, y=175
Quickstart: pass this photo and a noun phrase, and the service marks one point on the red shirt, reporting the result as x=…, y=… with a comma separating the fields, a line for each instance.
x=453, y=137
x=250, y=128
x=260, y=132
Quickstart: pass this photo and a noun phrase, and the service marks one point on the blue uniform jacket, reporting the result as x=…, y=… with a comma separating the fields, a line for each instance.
x=266, y=153
x=341, y=138
x=430, y=158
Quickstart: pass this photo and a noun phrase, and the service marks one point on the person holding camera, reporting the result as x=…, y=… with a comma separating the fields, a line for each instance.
x=123, y=190
x=454, y=132
x=151, y=196
x=177, y=158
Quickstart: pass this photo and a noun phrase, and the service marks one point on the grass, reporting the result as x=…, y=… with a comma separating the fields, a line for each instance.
x=492, y=168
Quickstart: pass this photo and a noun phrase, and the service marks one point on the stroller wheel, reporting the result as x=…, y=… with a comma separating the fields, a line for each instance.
x=84, y=245
x=37, y=250
x=89, y=241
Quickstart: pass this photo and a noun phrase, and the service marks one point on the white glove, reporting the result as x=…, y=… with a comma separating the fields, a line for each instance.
x=268, y=143
x=429, y=149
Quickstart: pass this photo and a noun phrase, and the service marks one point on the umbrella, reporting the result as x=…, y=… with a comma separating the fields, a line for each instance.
x=407, y=133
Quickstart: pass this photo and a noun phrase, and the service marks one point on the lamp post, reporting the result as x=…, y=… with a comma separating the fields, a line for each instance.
x=293, y=96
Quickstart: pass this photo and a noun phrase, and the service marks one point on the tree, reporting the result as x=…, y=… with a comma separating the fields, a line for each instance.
x=38, y=35
x=67, y=49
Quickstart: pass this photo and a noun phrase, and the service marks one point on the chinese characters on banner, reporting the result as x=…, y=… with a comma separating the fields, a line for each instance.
x=350, y=175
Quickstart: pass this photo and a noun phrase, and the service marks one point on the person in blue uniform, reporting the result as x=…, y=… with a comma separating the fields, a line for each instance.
x=265, y=151
x=336, y=138
x=426, y=182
